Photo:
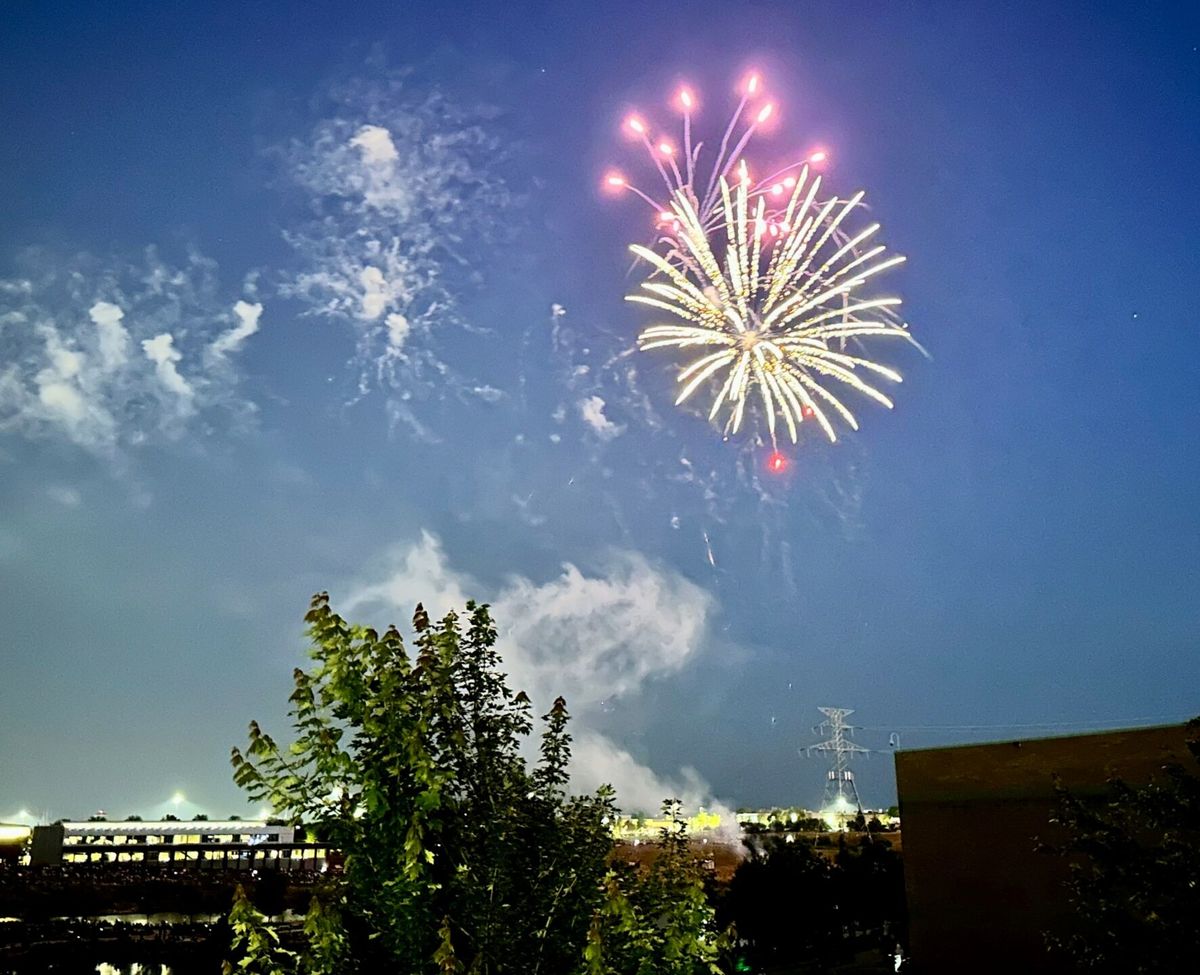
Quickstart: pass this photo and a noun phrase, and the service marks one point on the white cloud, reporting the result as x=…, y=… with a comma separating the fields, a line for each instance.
x=416, y=574
x=61, y=399
x=375, y=296
x=599, y=760
x=68, y=497
x=162, y=352
x=67, y=328
x=591, y=408
x=590, y=638
x=65, y=363
x=376, y=146
x=587, y=636
x=397, y=330
x=61, y=393
x=400, y=415
x=114, y=340
x=401, y=190
x=247, y=316
x=489, y=394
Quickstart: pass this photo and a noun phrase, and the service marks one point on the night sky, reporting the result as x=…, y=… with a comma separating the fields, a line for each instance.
x=325, y=296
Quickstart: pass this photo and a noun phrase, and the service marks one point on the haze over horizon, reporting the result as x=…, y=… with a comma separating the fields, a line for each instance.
x=327, y=298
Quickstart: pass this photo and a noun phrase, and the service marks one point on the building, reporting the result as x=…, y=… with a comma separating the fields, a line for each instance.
x=768, y=818
x=806, y=820
x=232, y=844
x=13, y=839
x=641, y=827
x=981, y=898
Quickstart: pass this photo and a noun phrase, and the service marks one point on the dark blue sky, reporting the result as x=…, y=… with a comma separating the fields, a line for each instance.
x=1016, y=543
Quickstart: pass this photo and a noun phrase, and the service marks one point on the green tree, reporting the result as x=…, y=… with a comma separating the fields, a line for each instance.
x=790, y=904
x=255, y=943
x=459, y=856
x=1135, y=871
x=660, y=922
x=868, y=887
x=780, y=903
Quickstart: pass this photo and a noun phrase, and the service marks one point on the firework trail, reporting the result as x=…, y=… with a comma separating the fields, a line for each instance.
x=762, y=278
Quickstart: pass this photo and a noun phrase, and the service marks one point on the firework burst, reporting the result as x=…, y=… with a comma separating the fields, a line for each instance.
x=762, y=279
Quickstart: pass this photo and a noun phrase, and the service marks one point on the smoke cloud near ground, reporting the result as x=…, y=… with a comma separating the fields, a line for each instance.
x=588, y=636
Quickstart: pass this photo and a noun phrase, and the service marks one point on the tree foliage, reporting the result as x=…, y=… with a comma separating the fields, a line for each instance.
x=660, y=922
x=1135, y=871
x=790, y=903
x=459, y=855
x=255, y=943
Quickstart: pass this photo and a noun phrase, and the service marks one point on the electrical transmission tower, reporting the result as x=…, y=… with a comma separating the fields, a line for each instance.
x=841, y=800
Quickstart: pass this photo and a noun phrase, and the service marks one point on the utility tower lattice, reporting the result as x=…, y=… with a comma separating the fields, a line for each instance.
x=841, y=794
